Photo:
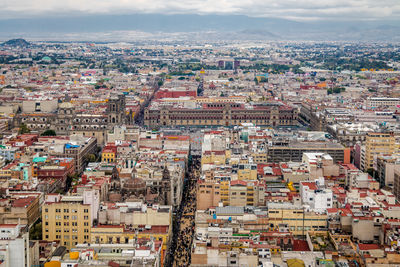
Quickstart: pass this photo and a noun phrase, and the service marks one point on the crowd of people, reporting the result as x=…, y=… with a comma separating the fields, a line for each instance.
x=185, y=219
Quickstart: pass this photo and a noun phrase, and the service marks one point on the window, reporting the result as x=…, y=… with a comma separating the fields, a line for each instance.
x=85, y=210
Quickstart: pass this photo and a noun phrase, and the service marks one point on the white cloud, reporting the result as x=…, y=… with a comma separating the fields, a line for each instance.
x=295, y=9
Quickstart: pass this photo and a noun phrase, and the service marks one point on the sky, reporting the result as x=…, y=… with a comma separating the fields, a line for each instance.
x=300, y=10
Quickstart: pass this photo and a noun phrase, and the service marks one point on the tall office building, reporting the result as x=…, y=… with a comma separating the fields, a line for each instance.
x=66, y=218
x=376, y=144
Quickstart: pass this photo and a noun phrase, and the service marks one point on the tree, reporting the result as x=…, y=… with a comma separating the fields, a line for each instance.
x=91, y=158
x=35, y=233
x=370, y=171
x=336, y=90
x=263, y=79
x=49, y=133
x=23, y=129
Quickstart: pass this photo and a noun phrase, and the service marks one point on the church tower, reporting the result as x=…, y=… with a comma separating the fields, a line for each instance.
x=116, y=109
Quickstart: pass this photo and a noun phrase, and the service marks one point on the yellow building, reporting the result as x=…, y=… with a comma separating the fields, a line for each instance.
x=67, y=219
x=296, y=218
x=230, y=193
x=119, y=234
x=376, y=144
x=5, y=173
x=213, y=157
x=119, y=225
x=225, y=185
x=259, y=157
x=108, y=155
x=247, y=172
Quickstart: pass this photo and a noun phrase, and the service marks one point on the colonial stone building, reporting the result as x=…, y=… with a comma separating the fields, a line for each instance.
x=222, y=114
x=69, y=120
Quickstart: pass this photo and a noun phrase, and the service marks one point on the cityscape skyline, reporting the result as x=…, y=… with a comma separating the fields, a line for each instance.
x=199, y=133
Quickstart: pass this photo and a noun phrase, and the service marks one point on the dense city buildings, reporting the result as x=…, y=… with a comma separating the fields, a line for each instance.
x=199, y=154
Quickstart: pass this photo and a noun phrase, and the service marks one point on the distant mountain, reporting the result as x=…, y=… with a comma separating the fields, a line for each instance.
x=16, y=42
x=232, y=26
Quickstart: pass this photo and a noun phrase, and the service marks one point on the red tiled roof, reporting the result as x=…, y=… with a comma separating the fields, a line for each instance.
x=310, y=185
x=300, y=245
x=368, y=246
x=23, y=202
x=238, y=182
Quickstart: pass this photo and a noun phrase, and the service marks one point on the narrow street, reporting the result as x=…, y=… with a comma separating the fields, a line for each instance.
x=139, y=118
x=180, y=252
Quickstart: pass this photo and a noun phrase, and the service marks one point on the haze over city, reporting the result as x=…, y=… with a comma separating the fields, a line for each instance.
x=207, y=133
x=264, y=20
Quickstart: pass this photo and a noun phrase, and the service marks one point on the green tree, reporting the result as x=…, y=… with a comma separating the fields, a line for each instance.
x=371, y=172
x=35, y=233
x=23, y=129
x=336, y=90
x=263, y=79
x=91, y=158
x=49, y=133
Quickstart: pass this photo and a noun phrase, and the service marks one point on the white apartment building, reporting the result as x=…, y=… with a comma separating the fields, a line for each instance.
x=315, y=195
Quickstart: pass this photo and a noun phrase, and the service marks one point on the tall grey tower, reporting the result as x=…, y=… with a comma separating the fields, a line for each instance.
x=116, y=109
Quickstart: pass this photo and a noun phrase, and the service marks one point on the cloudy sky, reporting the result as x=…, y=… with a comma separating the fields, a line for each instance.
x=289, y=9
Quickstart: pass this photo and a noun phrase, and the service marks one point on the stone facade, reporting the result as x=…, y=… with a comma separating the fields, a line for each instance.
x=222, y=114
x=68, y=120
